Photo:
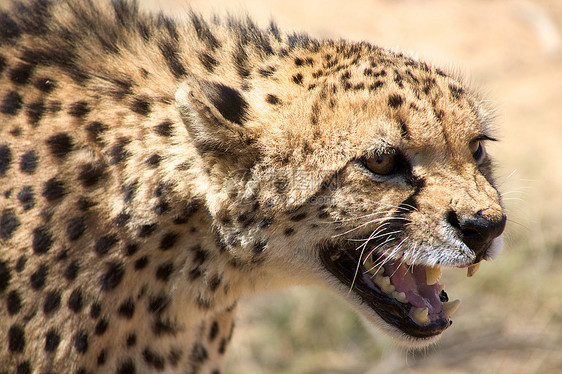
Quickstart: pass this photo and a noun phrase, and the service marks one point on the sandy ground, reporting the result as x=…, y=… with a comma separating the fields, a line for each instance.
x=511, y=320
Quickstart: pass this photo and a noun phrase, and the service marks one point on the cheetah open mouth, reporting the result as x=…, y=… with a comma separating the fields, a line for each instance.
x=408, y=297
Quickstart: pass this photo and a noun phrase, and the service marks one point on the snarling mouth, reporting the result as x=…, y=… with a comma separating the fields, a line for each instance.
x=408, y=297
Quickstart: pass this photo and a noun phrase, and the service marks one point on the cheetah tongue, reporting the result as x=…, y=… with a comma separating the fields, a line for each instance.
x=412, y=280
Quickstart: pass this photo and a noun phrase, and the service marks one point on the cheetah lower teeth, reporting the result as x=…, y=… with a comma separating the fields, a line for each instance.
x=432, y=275
x=472, y=269
x=421, y=315
x=450, y=307
x=384, y=284
x=400, y=296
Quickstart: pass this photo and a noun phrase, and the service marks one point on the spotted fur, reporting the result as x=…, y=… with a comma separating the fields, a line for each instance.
x=153, y=172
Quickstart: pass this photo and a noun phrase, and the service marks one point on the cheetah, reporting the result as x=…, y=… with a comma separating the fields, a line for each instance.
x=153, y=172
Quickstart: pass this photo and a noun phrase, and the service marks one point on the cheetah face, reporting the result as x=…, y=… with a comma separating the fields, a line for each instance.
x=368, y=193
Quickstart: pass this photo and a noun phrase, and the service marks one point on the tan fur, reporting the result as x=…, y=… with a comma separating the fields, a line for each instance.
x=184, y=210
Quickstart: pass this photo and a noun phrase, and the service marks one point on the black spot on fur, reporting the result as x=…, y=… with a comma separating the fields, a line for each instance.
x=35, y=111
x=13, y=303
x=75, y=301
x=164, y=271
x=16, y=338
x=11, y=103
x=222, y=346
x=147, y=230
x=141, y=105
x=24, y=368
x=101, y=327
x=101, y=357
x=37, y=279
x=456, y=91
x=28, y=162
x=198, y=354
x=154, y=160
x=81, y=342
x=95, y=129
x=272, y=99
x=112, y=276
x=404, y=132
x=45, y=85
x=20, y=264
x=161, y=208
x=95, y=310
x=170, y=53
x=141, y=263
x=91, y=174
x=298, y=217
x=395, y=100
x=75, y=228
x=259, y=247
x=122, y=219
x=228, y=101
x=164, y=128
x=289, y=231
x=204, y=32
x=71, y=271
x=52, y=302
x=42, y=240
x=79, y=109
x=297, y=78
x=9, y=29
x=53, y=190
x=8, y=224
x=208, y=61
x=186, y=213
x=21, y=73
x=117, y=152
x=153, y=359
x=127, y=308
x=5, y=276
x=213, y=331
x=129, y=191
x=168, y=241
x=131, y=340
x=267, y=71
x=130, y=249
x=52, y=340
x=83, y=204
x=126, y=367
x=158, y=303
x=104, y=244
x=60, y=144
x=5, y=159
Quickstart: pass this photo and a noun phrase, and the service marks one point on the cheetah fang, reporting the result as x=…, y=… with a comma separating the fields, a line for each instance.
x=154, y=172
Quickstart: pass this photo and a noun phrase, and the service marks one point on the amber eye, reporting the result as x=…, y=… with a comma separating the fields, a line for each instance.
x=380, y=164
x=477, y=150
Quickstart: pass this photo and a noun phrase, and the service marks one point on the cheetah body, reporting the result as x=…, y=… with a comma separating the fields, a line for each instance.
x=153, y=172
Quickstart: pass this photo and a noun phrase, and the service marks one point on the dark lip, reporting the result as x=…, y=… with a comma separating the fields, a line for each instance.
x=390, y=310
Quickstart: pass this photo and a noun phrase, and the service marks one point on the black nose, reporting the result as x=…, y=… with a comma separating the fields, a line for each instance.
x=477, y=232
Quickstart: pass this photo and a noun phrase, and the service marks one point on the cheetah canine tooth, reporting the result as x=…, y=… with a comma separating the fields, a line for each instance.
x=421, y=315
x=472, y=269
x=432, y=274
x=450, y=307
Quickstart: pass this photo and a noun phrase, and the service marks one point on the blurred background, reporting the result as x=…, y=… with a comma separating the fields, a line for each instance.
x=510, y=320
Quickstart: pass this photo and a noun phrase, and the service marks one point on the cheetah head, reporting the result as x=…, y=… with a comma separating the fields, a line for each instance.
x=366, y=176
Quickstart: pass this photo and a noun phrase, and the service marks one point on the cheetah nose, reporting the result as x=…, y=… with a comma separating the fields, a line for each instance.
x=477, y=232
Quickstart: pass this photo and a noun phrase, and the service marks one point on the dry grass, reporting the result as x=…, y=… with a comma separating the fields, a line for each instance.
x=511, y=317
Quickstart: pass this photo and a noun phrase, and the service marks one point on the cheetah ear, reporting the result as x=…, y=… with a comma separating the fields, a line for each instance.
x=215, y=115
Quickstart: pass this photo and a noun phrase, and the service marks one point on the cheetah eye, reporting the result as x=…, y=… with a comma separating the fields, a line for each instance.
x=383, y=164
x=478, y=151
